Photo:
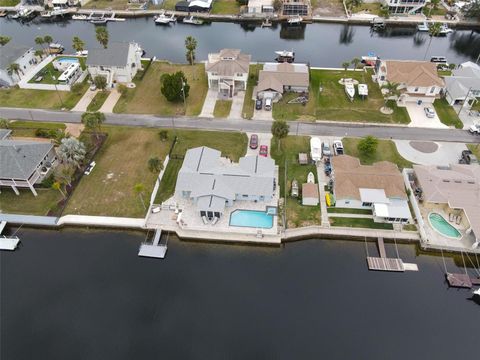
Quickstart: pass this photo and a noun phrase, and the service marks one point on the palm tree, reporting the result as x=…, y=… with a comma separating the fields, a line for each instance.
x=280, y=130
x=78, y=44
x=71, y=152
x=39, y=53
x=433, y=6
x=384, y=12
x=47, y=39
x=190, y=45
x=392, y=91
x=93, y=121
x=139, y=189
x=4, y=40
x=433, y=30
x=102, y=36
x=355, y=62
x=39, y=41
x=14, y=68
x=345, y=66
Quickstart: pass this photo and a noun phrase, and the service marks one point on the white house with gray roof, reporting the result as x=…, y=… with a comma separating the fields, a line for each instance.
x=24, y=163
x=463, y=85
x=11, y=53
x=213, y=182
x=118, y=63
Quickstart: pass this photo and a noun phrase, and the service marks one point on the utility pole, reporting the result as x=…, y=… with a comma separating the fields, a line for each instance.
x=184, y=101
x=464, y=101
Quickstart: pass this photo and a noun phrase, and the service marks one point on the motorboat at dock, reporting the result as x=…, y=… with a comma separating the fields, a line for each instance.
x=192, y=20
x=285, y=56
x=162, y=19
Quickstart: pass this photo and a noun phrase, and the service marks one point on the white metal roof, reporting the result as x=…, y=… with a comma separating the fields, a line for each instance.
x=373, y=196
x=396, y=209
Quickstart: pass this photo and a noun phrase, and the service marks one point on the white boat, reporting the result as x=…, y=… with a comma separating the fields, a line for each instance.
x=266, y=23
x=285, y=56
x=82, y=53
x=423, y=27
x=311, y=178
x=350, y=90
x=192, y=20
x=79, y=17
x=444, y=30
x=476, y=293
x=55, y=48
x=26, y=14
x=315, y=149
x=294, y=20
x=362, y=89
x=98, y=21
x=46, y=14
x=163, y=19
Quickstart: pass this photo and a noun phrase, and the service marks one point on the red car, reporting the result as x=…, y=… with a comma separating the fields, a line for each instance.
x=264, y=150
x=253, y=141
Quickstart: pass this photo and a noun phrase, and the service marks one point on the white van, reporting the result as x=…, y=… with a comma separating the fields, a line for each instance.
x=268, y=104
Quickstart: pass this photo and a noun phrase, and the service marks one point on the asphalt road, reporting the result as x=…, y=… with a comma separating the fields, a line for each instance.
x=296, y=128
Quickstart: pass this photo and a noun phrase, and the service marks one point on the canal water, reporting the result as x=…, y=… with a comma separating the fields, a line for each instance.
x=75, y=294
x=320, y=44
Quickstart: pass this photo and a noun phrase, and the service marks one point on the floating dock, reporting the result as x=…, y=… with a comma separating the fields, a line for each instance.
x=154, y=250
x=7, y=243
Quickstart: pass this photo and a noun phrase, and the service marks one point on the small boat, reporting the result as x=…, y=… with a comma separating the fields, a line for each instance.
x=311, y=178
x=378, y=23
x=370, y=59
x=295, y=20
x=438, y=59
x=362, y=89
x=82, y=53
x=423, y=27
x=26, y=14
x=328, y=200
x=55, y=48
x=285, y=56
x=98, y=21
x=444, y=30
x=163, y=19
x=79, y=17
x=476, y=292
x=294, y=188
x=266, y=23
x=349, y=89
x=192, y=20
x=46, y=14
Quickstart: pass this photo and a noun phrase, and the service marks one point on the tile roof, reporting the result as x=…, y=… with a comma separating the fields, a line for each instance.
x=276, y=76
x=413, y=73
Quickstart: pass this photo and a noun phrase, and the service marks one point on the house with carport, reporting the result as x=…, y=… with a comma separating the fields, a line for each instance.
x=278, y=78
x=463, y=86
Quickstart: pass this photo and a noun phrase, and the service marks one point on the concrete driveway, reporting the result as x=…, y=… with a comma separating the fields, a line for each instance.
x=111, y=101
x=263, y=139
x=237, y=106
x=430, y=153
x=262, y=115
x=468, y=119
x=419, y=119
x=209, y=103
x=85, y=100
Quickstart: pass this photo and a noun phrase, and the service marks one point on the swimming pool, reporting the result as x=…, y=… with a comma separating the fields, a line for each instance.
x=250, y=218
x=67, y=59
x=442, y=226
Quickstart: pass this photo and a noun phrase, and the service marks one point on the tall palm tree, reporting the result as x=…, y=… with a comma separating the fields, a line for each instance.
x=102, y=36
x=48, y=39
x=39, y=53
x=392, y=91
x=78, y=44
x=355, y=62
x=190, y=45
x=4, y=40
x=433, y=30
x=14, y=68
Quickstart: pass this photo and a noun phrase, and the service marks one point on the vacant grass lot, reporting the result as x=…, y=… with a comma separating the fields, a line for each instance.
x=121, y=163
x=297, y=214
x=373, y=8
x=447, y=114
x=225, y=7
x=27, y=203
x=98, y=100
x=42, y=99
x=222, y=108
x=386, y=151
x=249, y=103
x=104, y=4
x=360, y=223
x=27, y=128
x=169, y=4
x=332, y=103
x=9, y=2
x=232, y=145
x=147, y=98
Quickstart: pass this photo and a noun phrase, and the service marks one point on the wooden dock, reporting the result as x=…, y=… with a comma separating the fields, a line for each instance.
x=155, y=250
x=383, y=263
x=462, y=280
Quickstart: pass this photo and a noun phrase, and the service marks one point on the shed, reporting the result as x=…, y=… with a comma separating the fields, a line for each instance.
x=310, y=194
x=303, y=158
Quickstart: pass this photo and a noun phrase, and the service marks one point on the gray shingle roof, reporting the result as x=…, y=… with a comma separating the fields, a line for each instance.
x=20, y=158
x=115, y=55
x=10, y=52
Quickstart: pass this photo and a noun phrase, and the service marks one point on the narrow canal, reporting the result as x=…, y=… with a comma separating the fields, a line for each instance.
x=86, y=295
x=320, y=44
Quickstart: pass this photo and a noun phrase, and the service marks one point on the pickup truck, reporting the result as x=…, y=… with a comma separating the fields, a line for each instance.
x=474, y=129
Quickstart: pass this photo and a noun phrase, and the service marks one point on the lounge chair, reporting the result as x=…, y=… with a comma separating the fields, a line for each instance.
x=215, y=219
x=205, y=221
x=459, y=220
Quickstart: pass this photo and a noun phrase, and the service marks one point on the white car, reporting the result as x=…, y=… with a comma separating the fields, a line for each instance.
x=474, y=129
x=338, y=147
x=429, y=112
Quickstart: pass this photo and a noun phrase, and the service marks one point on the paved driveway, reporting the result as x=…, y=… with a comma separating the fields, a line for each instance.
x=419, y=119
x=209, y=103
x=467, y=118
x=111, y=101
x=85, y=101
x=430, y=153
x=237, y=106
x=262, y=115
x=263, y=139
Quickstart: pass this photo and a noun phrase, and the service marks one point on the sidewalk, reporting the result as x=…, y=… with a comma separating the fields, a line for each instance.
x=322, y=181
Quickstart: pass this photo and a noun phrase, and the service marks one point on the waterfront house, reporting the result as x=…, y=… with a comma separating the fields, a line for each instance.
x=296, y=7
x=25, y=163
x=463, y=86
x=213, y=183
x=404, y=6
x=418, y=80
x=194, y=6
x=260, y=7
x=119, y=62
x=227, y=71
x=453, y=189
x=378, y=187
x=276, y=79
x=11, y=53
x=310, y=194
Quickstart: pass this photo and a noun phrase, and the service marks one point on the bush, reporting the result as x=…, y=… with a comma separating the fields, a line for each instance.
x=48, y=181
x=368, y=145
x=172, y=86
x=122, y=89
x=42, y=133
x=163, y=134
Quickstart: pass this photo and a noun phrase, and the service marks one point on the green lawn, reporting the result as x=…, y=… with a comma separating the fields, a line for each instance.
x=225, y=7
x=428, y=10
x=9, y=2
x=98, y=101
x=169, y=4
x=28, y=128
x=222, y=108
x=447, y=114
x=475, y=148
x=359, y=223
x=332, y=103
x=49, y=75
x=147, y=98
x=443, y=73
x=232, y=145
x=27, y=203
x=42, y=99
x=386, y=151
x=121, y=164
x=104, y=4
x=335, y=210
x=297, y=214
x=249, y=103
x=373, y=8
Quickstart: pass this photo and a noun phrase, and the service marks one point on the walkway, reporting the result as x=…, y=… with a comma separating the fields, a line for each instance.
x=109, y=104
x=356, y=216
x=86, y=99
x=322, y=182
x=237, y=106
x=209, y=104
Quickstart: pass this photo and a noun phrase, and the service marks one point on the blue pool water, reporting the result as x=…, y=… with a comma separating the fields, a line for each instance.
x=442, y=226
x=249, y=218
x=67, y=59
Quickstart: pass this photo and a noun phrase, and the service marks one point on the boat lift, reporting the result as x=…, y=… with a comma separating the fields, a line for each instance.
x=156, y=249
x=7, y=242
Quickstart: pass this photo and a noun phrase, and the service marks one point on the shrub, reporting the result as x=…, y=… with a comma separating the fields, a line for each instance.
x=48, y=181
x=42, y=133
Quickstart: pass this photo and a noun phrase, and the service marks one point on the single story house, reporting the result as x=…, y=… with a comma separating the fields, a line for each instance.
x=194, y=6
x=310, y=195
x=119, y=62
x=404, y=6
x=260, y=7
x=213, y=182
x=455, y=186
x=278, y=78
x=11, y=53
x=378, y=187
x=463, y=86
x=25, y=163
x=418, y=80
x=227, y=71
x=296, y=7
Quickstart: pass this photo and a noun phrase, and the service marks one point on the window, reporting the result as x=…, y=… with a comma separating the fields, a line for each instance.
x=416, y=89
x=432, y=90
x=347, y=202
x=366, y=204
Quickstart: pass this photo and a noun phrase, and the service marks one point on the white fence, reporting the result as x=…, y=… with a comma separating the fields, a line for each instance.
x=413, y=201
x=157, y=183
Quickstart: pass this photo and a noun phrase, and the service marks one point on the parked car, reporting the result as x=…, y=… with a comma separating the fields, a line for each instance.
x=254, y=141
x=93, y=87
x=258, y=104
x=268, y=104
x=338, y=147
x=429, y=112
x=326, y=151
x=474, y=129
x=263, y=150
x=468, y=158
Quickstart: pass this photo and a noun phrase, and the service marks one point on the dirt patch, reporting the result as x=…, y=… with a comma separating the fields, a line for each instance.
x=74, y=129
x=426, y=147
x=328, y=8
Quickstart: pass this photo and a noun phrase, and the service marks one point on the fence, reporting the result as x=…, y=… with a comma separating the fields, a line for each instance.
x=413, y=201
